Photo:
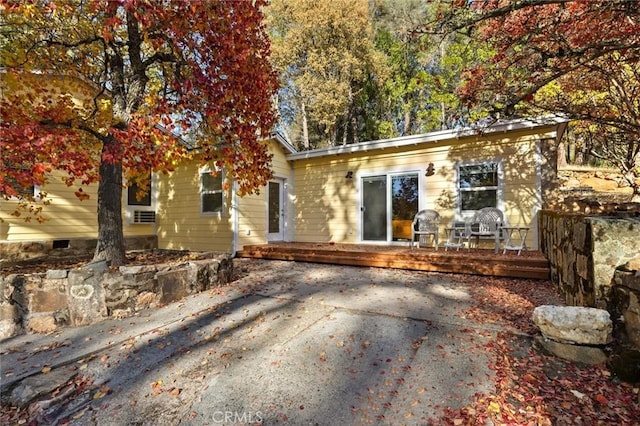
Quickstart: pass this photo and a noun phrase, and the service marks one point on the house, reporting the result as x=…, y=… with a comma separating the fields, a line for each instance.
x=360, y=193
x=369, y=192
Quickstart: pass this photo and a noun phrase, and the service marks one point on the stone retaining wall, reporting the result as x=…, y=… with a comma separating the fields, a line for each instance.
x=589, y=190
x=41, y=303
x=584, y=253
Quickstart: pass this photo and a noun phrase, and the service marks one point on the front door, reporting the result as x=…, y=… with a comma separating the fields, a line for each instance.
x=275, y=210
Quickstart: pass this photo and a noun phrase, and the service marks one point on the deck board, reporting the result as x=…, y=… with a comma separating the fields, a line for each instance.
x=531, y=264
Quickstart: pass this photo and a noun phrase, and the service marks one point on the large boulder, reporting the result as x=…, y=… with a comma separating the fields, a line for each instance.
x=574, y=324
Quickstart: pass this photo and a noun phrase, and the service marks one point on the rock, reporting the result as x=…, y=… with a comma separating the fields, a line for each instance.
x=42, y=324
x=9, y=321
x=174, y=285
x=56, y=274
x=625, y=364
x=576, y=353
x=574, y=324
x=9, y=328
x=36, y=386
x=87, y=302
x=599, y=184
x=97, y=266
x=632, y=265
x=145, y=300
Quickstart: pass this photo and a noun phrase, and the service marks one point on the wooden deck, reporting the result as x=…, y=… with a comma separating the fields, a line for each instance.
x=530, y=264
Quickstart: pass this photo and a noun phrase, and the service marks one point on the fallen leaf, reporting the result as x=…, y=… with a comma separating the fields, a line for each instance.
x=577, y=394
x=493, y=407
x=46, y=370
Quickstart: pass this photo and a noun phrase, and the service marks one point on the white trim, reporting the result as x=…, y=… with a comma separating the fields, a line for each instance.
x=224, y=205
x=130, y=209
x=291, y=207
x=539, y=160
x=35, y=195
x=235, y=214
x=439, y=136
x=389, y=174
x=282, y=200
x=285, y=143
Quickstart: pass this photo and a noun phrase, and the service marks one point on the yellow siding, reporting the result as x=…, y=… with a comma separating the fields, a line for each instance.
x=66, y=217
x=180, y=224
x=327, y=204
x=252, y=221
x=252, y=209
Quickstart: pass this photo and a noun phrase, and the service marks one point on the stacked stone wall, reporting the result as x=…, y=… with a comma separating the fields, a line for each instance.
x=44, y=302
x=589, y=190
x=585, y=252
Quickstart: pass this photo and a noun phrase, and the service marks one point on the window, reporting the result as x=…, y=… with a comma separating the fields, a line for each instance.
x=478, y=186
x=211, y=192
x=135, y=196
x=141, y=201
x=17, y=186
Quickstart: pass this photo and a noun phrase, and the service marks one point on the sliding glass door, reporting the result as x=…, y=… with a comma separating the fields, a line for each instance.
x=389, y=203
x=374, y=208
x=404, y=205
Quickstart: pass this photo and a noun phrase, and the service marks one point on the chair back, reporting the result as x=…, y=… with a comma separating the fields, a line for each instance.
x=488, y=219
x=426, y=221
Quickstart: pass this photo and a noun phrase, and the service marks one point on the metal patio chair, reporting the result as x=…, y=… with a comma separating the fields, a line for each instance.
x=425, y=223
x=486, y=223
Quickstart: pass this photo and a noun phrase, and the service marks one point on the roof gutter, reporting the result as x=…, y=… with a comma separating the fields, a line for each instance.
x=438, y=136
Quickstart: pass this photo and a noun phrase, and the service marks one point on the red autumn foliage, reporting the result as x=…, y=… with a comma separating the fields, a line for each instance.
x=100, y=89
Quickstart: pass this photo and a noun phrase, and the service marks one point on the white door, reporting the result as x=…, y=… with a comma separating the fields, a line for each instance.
x=275, y=210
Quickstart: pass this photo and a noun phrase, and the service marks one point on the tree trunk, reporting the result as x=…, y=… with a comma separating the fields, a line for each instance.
x=562, y=154
x=305, y=127
x=407, y=123
x=635, y=197
x=110, y=234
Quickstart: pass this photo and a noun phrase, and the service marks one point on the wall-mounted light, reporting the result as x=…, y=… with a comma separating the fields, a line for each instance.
x=430, y=170
x=349, y=175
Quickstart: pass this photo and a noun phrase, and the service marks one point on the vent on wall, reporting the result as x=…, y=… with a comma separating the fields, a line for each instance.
x=143, y=216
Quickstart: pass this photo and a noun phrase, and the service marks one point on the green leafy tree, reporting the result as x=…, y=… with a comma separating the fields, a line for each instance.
x=324, y=54
x=154, y=68
x=574, y=57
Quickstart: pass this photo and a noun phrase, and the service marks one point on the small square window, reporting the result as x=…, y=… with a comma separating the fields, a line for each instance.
x=133, y=192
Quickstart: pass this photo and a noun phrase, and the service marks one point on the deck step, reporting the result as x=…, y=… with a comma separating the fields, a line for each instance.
x=531, y=267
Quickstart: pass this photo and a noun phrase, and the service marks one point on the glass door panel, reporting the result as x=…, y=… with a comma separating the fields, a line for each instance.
x=404, y=205
x=374, y=208
x=275, y=211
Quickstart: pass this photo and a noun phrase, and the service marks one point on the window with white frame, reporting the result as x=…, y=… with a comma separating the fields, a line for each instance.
x=478, y=185
x=211, y=192
x=140, y=201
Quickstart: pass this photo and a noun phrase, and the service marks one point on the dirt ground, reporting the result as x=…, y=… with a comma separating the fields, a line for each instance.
x=41, y=265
